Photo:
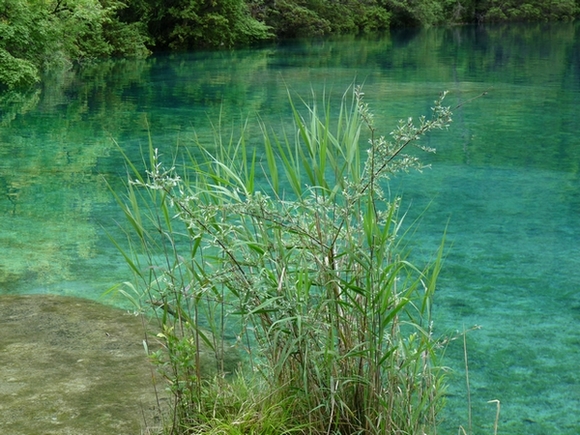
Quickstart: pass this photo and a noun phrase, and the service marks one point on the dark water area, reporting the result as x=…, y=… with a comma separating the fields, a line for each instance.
x=504, y=182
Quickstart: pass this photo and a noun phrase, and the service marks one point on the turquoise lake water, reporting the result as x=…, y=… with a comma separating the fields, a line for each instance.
x=505, y=181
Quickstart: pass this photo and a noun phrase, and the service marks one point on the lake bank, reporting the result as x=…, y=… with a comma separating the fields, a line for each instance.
x=73, y=366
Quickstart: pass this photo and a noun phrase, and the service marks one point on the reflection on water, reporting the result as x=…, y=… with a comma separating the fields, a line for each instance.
x=505, y=181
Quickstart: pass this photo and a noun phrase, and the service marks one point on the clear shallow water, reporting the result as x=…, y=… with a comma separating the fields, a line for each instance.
x=505, y=181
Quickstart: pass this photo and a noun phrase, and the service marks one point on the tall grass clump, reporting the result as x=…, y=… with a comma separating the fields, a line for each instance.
x=284, y=298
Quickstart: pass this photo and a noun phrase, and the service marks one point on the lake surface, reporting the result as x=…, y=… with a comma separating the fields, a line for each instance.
x=505, y=182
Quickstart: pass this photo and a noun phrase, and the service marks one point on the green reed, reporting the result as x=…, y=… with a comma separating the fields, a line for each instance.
x=284, y=298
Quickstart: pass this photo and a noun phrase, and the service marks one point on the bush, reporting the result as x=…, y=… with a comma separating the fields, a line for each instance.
x=533, y=10
x=16, y=73
x=39, y=35
x=282, y=270
x=192, y=24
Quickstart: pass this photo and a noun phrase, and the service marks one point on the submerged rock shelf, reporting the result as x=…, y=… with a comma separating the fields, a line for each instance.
x=73, y=366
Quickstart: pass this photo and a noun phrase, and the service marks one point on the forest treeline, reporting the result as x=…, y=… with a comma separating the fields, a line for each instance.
x=39, y=34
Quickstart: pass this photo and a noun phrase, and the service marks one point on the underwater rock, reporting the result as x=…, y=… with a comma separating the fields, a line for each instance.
x=73, y=366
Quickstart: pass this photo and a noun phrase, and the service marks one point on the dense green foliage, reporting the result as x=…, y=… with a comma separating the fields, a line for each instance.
x=38, y=34
x=528, y=10
x=188, y=24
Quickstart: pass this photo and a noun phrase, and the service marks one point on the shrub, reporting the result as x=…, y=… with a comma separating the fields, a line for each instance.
x=36, y=35
x=16, y=73
x=292, y=257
